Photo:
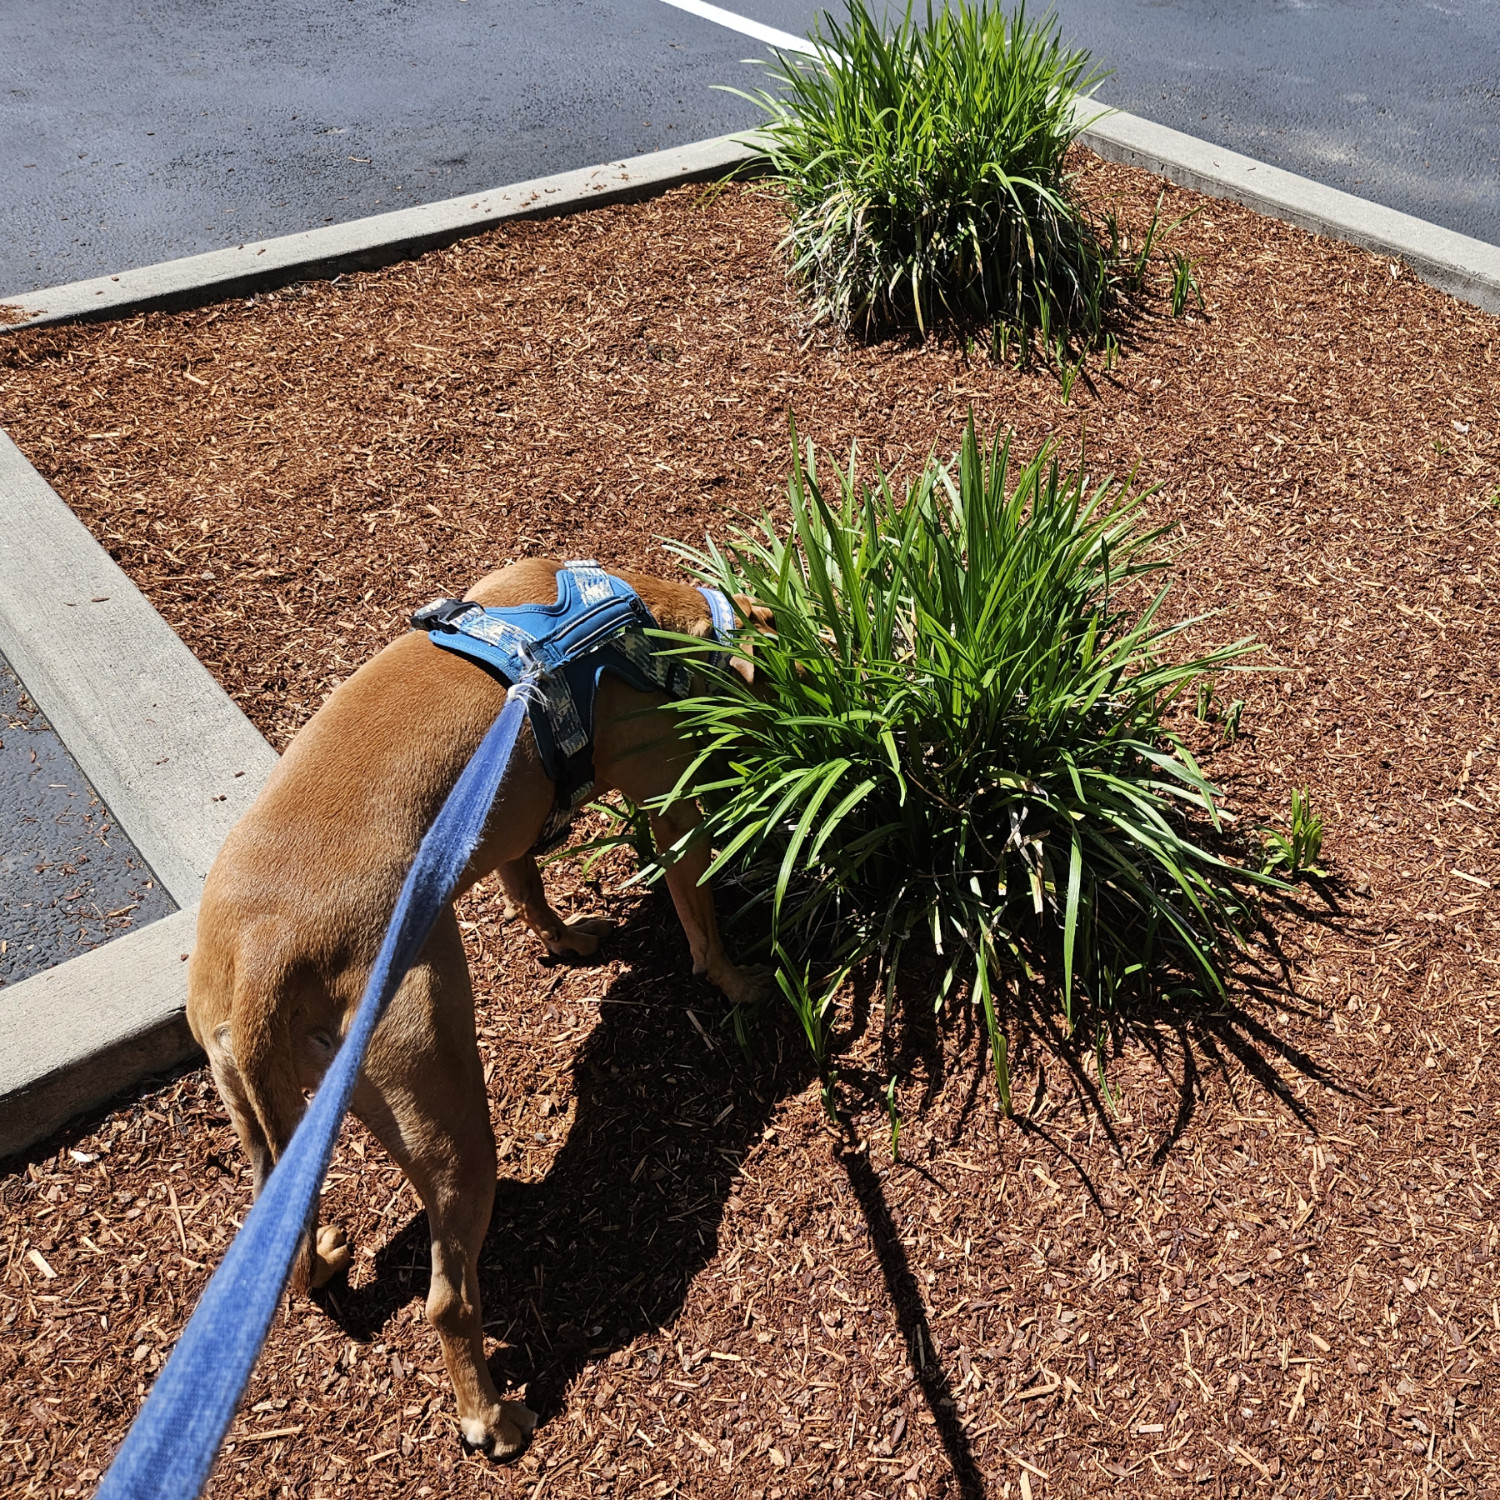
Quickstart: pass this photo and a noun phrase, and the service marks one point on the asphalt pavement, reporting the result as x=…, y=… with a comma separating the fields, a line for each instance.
x=69, y=878
x=1389, y=100
x=131, y=134
x=138, y=133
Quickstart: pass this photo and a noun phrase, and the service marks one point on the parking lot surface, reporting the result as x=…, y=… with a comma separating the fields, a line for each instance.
x=140, y=133
x=69, y=878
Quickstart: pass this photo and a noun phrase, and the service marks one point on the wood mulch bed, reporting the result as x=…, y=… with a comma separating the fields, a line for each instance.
x=1267, y=1268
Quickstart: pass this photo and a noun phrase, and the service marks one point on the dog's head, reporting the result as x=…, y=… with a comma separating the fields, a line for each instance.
x=761, y=621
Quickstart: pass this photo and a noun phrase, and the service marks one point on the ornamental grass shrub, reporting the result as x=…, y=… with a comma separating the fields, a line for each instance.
x=923, y=168
x=956, y=740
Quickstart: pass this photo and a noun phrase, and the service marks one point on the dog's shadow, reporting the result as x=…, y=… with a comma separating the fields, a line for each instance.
x=604, y=1248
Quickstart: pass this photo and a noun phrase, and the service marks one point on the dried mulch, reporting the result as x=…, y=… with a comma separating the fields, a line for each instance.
x=1267, y=1267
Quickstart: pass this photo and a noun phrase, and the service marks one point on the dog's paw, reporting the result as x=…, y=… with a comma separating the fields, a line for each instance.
x=503, y=1433
x=332, y=1255
x=744, y=986
x=579, y=938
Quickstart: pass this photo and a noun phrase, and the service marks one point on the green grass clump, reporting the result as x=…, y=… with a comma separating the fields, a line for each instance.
x=956, y=740
x=1298, y=850
x=923, y=168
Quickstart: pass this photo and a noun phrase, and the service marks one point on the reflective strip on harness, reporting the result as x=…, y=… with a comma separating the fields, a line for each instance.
x=721, y=613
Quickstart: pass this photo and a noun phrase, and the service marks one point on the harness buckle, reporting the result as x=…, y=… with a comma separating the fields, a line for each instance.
x=441, y=613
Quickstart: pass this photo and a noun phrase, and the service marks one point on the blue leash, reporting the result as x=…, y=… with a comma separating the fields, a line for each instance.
x=170, y=1449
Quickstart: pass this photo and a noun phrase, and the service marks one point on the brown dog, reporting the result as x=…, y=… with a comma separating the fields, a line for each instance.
x=298, y=899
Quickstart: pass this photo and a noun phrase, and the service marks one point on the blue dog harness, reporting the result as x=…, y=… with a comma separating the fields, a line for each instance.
x=597, y=625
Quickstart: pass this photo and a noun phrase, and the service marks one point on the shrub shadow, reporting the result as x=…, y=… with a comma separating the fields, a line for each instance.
x=603, y=1249
x=1191, y=1040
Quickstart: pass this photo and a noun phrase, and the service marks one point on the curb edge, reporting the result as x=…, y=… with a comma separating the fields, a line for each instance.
x=1454, y=263
x=364, y=244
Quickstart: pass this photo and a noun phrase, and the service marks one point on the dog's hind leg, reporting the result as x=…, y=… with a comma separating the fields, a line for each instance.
x=264, y=1059
x=328, y=1252
x=521, y=881
x=422, y=1093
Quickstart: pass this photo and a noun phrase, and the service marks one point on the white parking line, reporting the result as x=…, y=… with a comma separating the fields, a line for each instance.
x=783, y=41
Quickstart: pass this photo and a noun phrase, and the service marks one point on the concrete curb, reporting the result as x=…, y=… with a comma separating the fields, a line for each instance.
x=78, y=1034
x=166, y=748
x=1454, y=263
x=376, y=241
x=176, y=763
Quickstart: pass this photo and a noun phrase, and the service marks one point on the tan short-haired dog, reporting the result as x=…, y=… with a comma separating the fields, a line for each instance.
x=298, y=899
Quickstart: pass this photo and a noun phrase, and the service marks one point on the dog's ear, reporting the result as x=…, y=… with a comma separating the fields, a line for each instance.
x=759, y=616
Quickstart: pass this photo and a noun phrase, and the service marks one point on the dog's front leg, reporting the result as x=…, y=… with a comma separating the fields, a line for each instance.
x=694, y=900
x=525, y=897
